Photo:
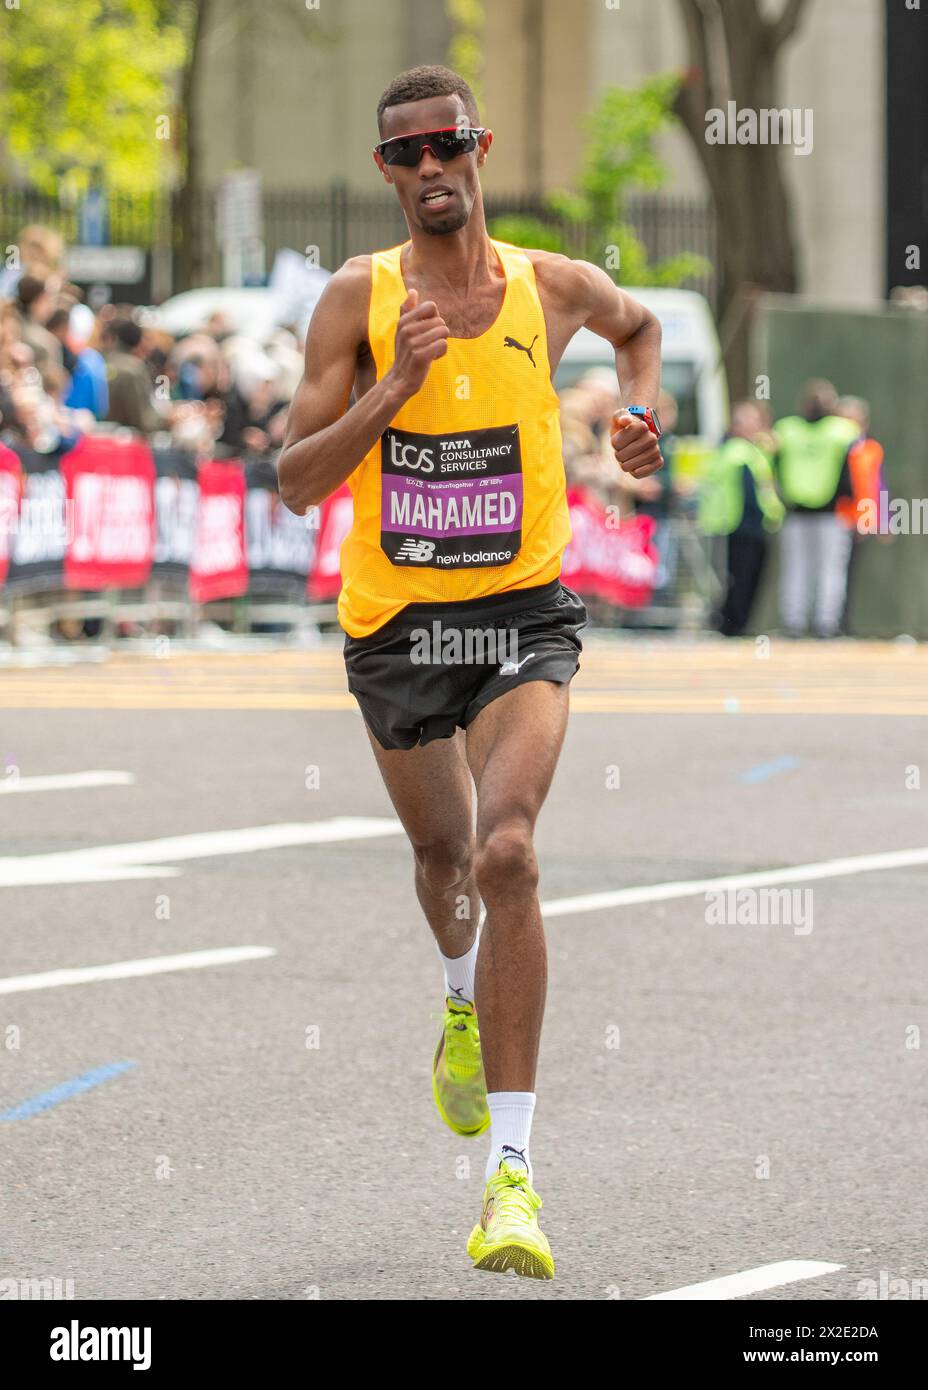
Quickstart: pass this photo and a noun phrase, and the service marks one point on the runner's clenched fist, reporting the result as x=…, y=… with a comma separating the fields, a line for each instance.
x=636, y=448
x=421, y=335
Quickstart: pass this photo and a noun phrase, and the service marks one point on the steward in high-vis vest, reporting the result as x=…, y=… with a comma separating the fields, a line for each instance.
x=738, y=501
x=813, y=474
x=866, y=510
x=865, y=463
x=812, y=461
x=866, y=506
x=738, y=484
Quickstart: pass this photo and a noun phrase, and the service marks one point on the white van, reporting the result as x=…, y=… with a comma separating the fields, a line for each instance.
x=691, y=359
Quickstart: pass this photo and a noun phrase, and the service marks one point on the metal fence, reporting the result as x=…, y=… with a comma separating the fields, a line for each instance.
x=133, y=220
x=342, y=223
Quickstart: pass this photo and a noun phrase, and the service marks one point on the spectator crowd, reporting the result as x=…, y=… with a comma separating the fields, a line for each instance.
x=66, y=369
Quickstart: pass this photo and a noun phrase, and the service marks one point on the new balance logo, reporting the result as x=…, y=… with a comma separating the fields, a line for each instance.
x=512, y=668
x=514, y=343
x=413, y=549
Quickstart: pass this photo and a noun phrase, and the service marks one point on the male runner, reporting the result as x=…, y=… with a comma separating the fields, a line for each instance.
x=452, y=450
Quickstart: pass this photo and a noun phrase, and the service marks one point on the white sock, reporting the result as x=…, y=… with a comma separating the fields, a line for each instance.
x=510, y=1127
x=460, y=972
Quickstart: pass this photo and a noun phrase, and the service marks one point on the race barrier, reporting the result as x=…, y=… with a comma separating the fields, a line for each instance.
x=114, y=514
x=609, y=558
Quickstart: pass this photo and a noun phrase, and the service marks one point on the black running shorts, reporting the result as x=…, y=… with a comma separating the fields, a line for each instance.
x=435, y=666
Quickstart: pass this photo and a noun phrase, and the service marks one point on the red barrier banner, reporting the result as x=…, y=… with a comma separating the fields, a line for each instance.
x=616, y=562
x=336, y=515
x=110, y=493
x=11, y=488
x=219, y=567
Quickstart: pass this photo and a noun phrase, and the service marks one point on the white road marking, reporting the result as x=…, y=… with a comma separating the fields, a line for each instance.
x=104, y=863
x=752, y=1280
x=129, y=969
x=64, y=781
x=151, y=859
x=795, y=873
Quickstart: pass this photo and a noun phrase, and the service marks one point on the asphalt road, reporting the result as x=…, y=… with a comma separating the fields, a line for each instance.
x=276, y=1136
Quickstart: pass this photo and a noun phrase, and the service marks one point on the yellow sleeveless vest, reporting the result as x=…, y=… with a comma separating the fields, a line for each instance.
x=464, y=494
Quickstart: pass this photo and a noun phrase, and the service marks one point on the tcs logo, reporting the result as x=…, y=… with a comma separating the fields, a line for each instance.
x=408, y=456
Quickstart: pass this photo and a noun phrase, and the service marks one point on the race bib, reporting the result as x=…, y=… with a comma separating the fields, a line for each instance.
x=451, y=502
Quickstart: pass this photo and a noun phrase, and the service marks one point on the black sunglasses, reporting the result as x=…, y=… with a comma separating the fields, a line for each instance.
x=445, y=145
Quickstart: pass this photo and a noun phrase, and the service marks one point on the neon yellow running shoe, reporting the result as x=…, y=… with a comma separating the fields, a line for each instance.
x=458, y=1083
x=509, y=1236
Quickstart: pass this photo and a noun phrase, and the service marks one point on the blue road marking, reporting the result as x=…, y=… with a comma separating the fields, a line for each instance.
x=46, y=1099
x=762, y=771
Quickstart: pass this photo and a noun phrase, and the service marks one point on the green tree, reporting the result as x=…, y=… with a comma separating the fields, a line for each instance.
x=465, y=49
x=619, y=157
x=85, y=94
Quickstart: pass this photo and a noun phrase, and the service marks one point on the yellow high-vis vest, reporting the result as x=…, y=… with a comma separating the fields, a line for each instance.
x=464, y=493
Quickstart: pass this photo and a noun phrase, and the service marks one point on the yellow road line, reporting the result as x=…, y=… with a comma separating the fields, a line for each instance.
x=872, y=678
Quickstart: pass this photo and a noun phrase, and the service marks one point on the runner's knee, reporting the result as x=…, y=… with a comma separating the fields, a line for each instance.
x=443, y=863
x=505, y=863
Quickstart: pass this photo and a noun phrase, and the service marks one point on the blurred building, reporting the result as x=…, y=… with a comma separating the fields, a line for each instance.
x=291, y=89
x=838, y=51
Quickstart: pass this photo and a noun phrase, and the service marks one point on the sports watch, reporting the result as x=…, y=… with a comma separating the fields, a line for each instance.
x=649, y=416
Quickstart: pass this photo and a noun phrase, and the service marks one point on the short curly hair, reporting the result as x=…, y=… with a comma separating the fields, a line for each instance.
x=431, y=80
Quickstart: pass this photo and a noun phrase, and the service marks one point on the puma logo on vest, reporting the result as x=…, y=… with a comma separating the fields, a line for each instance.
x=512, y=342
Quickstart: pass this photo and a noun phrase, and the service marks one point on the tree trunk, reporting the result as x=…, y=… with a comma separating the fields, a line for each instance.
x=733, y=55
x=188, y=249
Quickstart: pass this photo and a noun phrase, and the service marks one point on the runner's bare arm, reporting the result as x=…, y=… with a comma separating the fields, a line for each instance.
x=633, y=331
x=583, y=296
x=635, y=334
x=325, y=441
